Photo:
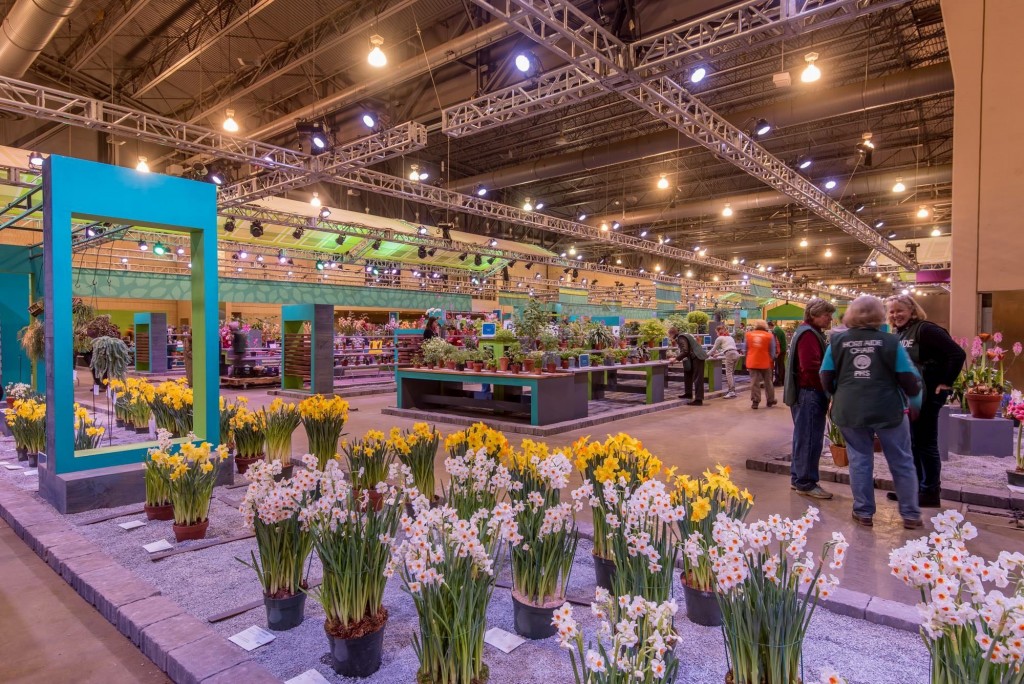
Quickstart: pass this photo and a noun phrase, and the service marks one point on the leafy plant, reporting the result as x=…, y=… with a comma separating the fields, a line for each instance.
x=835, y=434
x=191, y=474
x=369, y=459
x=514, y=353
x=416, y=450
x=110, y=358
x=33, y=340
x=698, y=318
x=548, y=340
x=652, y=331
x=531, y=321
x=81, y=315
x=324, y=418
x=436, y=351
x=504, y=336
x=599, y=335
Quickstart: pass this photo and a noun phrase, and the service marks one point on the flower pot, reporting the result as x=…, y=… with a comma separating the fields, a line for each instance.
x=984, y=405
x=242, y=463
x=532, y=621
x=142, y=430
x=528, y=365
x=10, y=402
x=22, y=453
x=187, y=532
x=515, y=368
x=1015, y=477
x=478, y=366
x=503, y=364
x=839, y=455
x=285, y=613
x=165, y=512
x=359, y=656
x=119, y=422
x=33, y=459
x=376, y=498
x=604, y=572
x=285, y=474
x=565, y=363
x=552, y=367
x=701, y=606
x=450, y=365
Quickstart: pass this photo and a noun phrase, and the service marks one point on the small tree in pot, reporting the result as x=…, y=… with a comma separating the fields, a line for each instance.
x=652, y=332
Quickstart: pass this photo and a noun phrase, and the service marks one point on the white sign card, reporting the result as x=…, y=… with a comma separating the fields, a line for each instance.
x=502, y=640
x=11, y=466
x=308, y=677
x=252, y=638
x=162, y=545
x=31, y=472
x=132, y=524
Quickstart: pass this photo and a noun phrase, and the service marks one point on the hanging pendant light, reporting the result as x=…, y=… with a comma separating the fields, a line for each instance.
x=377, y=58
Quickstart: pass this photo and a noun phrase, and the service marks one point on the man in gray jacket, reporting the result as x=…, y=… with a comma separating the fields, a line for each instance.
x=692, y=356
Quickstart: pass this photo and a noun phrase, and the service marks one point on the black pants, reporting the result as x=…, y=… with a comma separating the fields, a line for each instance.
x=924, y=440
x=780, y=370
x=694, y=380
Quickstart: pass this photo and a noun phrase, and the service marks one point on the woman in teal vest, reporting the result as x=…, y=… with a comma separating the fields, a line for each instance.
x=872, y=381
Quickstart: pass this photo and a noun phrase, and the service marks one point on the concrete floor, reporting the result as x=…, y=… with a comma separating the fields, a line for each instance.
x=48, y=633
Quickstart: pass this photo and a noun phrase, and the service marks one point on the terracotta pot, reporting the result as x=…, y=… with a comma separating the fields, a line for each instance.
x=165, y=512
x=188, y=532
x=503, y=364
x=515, y=368
x=450, y=365
x=565, y=363
x=10, y=402
x=376, y=498
x=839, y=455
x=552, y=367
x=528, y=365
x=984, y=405
x=478, y=366
x=242, y=464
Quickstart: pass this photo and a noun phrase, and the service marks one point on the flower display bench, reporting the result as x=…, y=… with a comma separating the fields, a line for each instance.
x=603, y=379
x=971, y=436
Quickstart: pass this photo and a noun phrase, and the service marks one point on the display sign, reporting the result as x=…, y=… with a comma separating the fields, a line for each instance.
x=488, y=329
x=584, y=361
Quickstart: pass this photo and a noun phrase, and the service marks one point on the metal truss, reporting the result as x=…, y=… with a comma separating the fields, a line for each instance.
x=884, y=269
x=393, y=142
x=109, y=24
x=562, y=28
x=55, y=105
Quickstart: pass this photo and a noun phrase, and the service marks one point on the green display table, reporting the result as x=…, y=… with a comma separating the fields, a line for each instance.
x=602, y=379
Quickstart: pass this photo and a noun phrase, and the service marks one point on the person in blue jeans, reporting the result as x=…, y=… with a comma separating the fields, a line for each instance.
x=806, y=398
x=872, y=382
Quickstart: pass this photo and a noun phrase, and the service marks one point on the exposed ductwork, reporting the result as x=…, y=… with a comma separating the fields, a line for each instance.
x=27, y=28
x=889, y=90
x=860, y=184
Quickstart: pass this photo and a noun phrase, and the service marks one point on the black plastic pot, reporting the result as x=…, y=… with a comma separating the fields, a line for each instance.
x=285, y=613
x=532, y=622
x=22, y=453
x=1015, y=477
x=702, y=607
x=604, y=572
x=357, y=657
x=119, y=422
x=286, y=473
x=33, y=460
x=142, y=430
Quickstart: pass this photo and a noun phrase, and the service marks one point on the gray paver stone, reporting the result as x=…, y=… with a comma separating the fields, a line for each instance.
x=160, y=638
x=56, y=555
x=194, y=662
x=248, y=672
x=134, y=617
x=846, y=602
x=985, y=496
x=111, y=587
x=893, y=614
x=73, y=568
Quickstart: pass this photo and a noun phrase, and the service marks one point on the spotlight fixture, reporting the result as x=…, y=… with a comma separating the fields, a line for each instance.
x=923, y=212
x=319, y=265
x=159, y=249
x=230, y=125
x=90, y=232
x=422, y=252
x=899, y=186
x=493, y=243
x=324, y=213
x=180, y=251
x=892, y=234
x=376, y=245
x=124, y=260
x=803, y=242
x=243, y=255
x=464, y=255
x=936, y=232
x=529, y=265
x=143, y=165
x=572, y=250
x=698, y=74
x=604, y=227
x=762, y=127
x=663, y=182
x=643, y=233
x=369, y=120
x=422, y=230
x=536, y=276
x=315, y=133
x=582, y=216
x=143, y=246
x=259, y=258
x=481, y=191
x=828, y=252
x=216, y=177
x=865, y=147
x=281, y=258
x=377, y=58
x=256, y=229
x=229, y=226
x=803, y=162
x=830, y=184
x=616, y=225
x=527, y=63
x=858, y=207
x=432, y=251
x=315, y=200
x=490, y=261
x=811, y=72
x=540, y=205
x=527, y=205
x=478, y=260
x=35, y=159
x=727, y=211
x=297, y=233
x=878, y=224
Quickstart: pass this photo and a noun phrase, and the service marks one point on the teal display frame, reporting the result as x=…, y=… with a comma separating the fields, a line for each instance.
x=321, y=364
x=79, y=189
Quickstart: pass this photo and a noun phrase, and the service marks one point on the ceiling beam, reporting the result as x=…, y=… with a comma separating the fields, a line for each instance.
x=112, y=20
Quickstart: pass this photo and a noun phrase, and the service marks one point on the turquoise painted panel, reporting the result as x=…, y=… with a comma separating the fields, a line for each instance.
x=13, y=317
x=75, y=188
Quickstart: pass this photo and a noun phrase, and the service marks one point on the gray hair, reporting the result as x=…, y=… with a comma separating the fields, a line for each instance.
x=817, y=307
x=865, y=311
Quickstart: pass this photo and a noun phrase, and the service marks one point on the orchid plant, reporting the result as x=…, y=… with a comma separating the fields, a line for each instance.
x=1015, y=410
x=973, y=633
x=985, y=372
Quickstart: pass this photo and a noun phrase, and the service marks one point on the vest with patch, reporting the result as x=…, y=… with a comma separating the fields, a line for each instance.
x=867, y=391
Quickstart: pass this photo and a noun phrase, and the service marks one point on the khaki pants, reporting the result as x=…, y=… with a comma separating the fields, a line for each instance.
x=757, y=376
x=729, y=366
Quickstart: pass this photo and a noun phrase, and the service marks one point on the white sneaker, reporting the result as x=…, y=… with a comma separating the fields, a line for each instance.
x=730, y=395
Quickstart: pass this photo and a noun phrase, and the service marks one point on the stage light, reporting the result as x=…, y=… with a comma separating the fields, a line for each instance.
x=878, y=224
x=762, y=127
x=727, y=211
x=230, y=125
x=143, y=246
x=243, y=255
x=830, y=184
x=527, y=205
x=319, y=265
x=899, y=186
x=259, y=258
x=376, y=245
x=803, y=242
x=803, y=162
x=828, y=252
x=281, y=258
x=923, y=212
x=256, y=229
x=315, y=200
x=858, y=207
x=229, y=226
x=124, y=260
x=143, y=165
x=582, y=216
x=478, y=260
x=481, y=191
x=324, y=213
x=493, y=242
x=463, y=256
x=297, y=233
x=159, y=249
x=663, y=182
x=369, y=120
x=35, y=159
x=422, y=252
x=377, y=58
x=180, y=251
x=811, y=72
x=216, y=177
x=936, y=232
x=698, y=74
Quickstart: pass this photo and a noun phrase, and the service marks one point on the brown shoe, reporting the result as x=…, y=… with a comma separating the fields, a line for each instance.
x=864, y=520
x=912, y=523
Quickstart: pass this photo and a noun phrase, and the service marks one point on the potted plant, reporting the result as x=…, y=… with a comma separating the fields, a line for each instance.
x=463, y=552
x=985, y=377
x=136, y=395
x=324, y=418
x=435, y=352
x=703, y=500
x=836, y=444
x=1015, y=410
x=191, y=474
x=172, y=406
x=551, y=361
x=532, y=361
x=16, y=390
x=27, y=421
x=280, y=420
x=548, y=341
x=531, y=321
x=228, y=411
x=767, y=607
x=87, y=433
x=699, y=319
x=416, y=361
x=598, y=335
x=567, y=357
x=158, y=504
x=652, y=331
x=969, y=617
x=542, y=562
x=110, y=358
x=600, y=465
x=250, y=437
x=504, y=336
x=647, y=519
x=478, y=480
x=353, y=542
x=641, y=649
x=416, y=450
x=476, y=360
x=630, y=331
x=514, y=352
x=33, y=340
x=369, y=462
x=273, y=512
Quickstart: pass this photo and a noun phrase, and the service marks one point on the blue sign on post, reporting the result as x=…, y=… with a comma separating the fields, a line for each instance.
x=584, y=361
x=488, y=329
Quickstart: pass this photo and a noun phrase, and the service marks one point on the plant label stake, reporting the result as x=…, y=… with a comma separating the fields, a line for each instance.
x=252, y=638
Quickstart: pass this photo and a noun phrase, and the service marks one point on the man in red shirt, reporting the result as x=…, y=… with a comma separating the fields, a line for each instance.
x=806, y=398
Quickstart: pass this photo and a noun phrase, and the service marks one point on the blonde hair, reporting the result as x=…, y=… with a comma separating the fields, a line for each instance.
x=865, y=311
x=916, y=311
x=760, y=324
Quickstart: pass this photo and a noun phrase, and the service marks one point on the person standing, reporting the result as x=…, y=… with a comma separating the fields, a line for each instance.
x=806, y=398
x=430, y=331
x=872, y=381
x=939, y=360
x=780, y=358
x=238, y=346
x=692, y=354
x=761, y=353
x=725, y=348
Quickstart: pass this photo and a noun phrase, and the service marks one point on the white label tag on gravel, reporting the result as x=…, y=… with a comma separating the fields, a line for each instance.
x=252, y=638
x=12, y=467
x=308, y=677
x=31, y=472
x=131, y=524
x=505, y=641
x=162, y=545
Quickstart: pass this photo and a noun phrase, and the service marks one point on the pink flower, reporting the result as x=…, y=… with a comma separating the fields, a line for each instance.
x=977, y=348
x=997, y=337
x=1017, y=348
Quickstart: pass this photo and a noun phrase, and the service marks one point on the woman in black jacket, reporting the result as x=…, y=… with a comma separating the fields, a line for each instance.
x=939, y=359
